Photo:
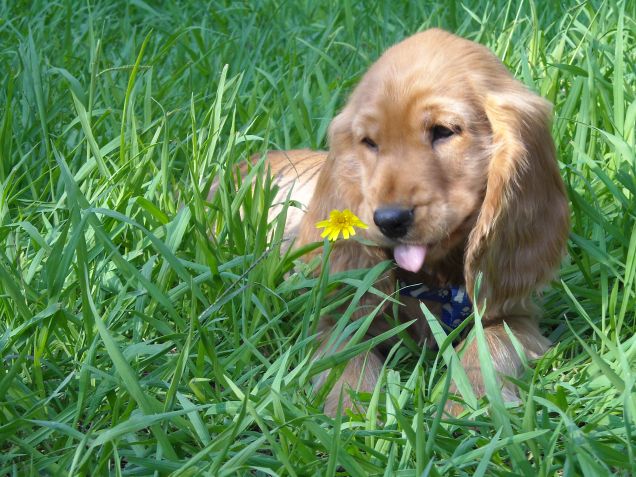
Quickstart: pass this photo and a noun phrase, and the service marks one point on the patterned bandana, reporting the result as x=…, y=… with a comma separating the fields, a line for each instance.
x=456, y=306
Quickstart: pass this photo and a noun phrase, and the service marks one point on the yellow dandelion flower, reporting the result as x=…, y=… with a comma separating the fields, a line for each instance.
x=340, y=222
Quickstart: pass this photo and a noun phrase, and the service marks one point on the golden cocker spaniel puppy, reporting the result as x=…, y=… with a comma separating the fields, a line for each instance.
x=450, y=161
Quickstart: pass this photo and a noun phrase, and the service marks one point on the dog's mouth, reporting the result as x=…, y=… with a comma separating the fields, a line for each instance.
x=410, y=257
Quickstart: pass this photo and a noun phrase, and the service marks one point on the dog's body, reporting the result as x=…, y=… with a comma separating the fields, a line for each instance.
x=450, y=161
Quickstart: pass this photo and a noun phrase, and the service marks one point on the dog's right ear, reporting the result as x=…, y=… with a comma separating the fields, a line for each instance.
x=338, y=187
x=335, y=188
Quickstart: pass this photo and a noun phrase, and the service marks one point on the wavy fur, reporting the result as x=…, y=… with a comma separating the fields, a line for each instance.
x=487, y=199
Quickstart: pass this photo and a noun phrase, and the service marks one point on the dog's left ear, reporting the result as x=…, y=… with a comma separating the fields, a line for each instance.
x=521, y=231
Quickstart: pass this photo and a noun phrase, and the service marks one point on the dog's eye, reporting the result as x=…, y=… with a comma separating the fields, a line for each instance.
x=441, y=132
x=370, y=143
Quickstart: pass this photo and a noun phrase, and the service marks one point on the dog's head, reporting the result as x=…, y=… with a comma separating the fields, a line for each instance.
x=440, y=147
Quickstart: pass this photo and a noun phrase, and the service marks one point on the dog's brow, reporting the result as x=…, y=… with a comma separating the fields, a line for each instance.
x=443, y=110
x=445, y=105
x=362, y=121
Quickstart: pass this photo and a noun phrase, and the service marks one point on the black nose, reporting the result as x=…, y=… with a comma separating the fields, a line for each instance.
x=394, y=222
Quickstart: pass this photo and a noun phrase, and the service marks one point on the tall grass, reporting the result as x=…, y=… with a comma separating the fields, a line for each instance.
x=148, y=329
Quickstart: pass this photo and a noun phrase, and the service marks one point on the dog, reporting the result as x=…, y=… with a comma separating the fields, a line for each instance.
x=451, y=163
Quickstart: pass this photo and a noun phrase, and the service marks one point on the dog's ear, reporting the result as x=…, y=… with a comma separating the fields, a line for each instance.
x=522, y=227
x=334, y=187
x=339, y=187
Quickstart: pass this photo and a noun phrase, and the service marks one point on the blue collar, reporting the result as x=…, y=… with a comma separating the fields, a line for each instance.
x=456, y=306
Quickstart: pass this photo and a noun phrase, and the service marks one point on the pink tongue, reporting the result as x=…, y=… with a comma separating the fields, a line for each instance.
x=410, y=257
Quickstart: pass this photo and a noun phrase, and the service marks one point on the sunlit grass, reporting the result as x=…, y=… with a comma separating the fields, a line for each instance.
x=146, y=328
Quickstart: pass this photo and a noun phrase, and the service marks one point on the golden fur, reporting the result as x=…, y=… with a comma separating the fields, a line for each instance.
x=486, y=198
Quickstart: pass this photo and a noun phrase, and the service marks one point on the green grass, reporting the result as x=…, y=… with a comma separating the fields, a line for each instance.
x=145, y=330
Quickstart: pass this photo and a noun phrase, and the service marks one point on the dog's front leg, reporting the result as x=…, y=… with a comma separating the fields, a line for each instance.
x=506, y=360
x=360, y=374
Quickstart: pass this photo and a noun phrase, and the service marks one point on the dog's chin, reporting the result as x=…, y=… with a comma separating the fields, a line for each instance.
x=414, y=256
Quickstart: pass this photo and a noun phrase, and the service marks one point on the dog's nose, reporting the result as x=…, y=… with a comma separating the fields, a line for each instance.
x=394, y=222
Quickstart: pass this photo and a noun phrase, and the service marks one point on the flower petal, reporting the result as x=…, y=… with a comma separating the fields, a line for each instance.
x=360, y=224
